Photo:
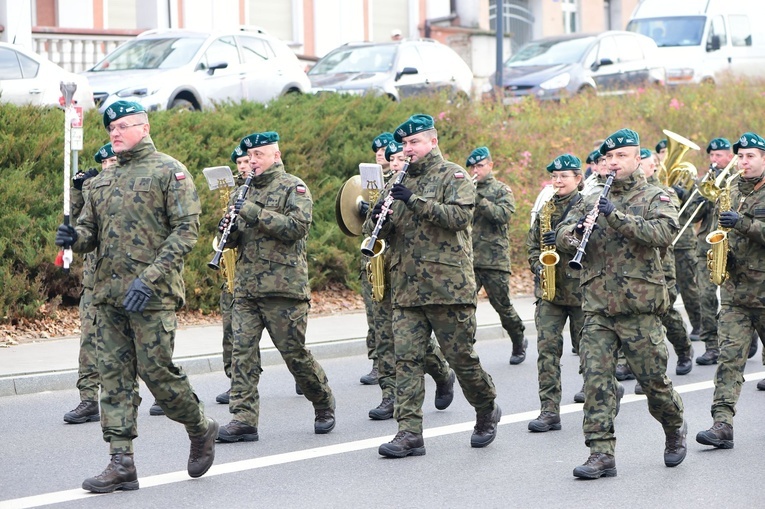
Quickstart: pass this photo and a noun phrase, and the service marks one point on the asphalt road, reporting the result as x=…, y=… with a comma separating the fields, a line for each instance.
x=44, y=461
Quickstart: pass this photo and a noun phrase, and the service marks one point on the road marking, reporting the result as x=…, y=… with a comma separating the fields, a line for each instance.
x=58, y=497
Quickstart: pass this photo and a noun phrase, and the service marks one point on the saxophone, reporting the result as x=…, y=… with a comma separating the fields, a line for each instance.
x=376, y=263
x=717, y=256
x=548, y=257
x=228, y=255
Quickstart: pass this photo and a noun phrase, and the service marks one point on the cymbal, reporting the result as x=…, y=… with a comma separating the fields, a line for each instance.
x=347, y=207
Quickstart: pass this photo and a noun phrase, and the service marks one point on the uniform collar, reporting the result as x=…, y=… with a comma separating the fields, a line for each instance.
x=269, y=175
x=139, y=150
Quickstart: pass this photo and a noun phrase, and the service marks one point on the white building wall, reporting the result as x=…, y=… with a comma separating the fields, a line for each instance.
x=16, y=17
x=75, y=13
x=337, y=22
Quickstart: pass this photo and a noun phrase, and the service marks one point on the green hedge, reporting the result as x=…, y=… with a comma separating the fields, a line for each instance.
x=324, y=138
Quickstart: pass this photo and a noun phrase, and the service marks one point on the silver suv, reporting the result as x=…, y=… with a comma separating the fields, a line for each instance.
x=164, y=69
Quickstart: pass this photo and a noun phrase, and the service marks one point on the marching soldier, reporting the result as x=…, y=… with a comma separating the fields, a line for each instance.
x=743, y=292
x=661, y=150
x=494, y=207
x=271, y=289
x=142, y=218
x=623, y=293
x=432, y=288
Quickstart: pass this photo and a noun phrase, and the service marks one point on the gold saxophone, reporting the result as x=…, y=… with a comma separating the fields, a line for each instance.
x=548, y=257
x=717, y=256
x=229, y=255
x=376, y=263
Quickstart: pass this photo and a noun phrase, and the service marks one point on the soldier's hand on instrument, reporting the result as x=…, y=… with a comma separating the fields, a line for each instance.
x=605, y=206
x=81, y=176
x=548, y=238
x=680, y=192
x=579, y=230
x=729, y=218
x=137, y=296
x=238, y=204
x=66, y=235
x=400, y=192
x=363, y=208
x=376, y=210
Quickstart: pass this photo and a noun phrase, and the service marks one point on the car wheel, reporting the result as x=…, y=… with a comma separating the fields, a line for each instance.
x=182, y=105
x=587, y=90
x=708, y=81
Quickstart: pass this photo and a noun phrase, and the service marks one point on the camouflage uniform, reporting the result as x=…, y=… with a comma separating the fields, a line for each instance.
x=624, y=291
x=494, y=207
x=550, y=316
x=433, y=287
x=742, y=295
x=226, y=309
x=271, y=291
x=142, y=218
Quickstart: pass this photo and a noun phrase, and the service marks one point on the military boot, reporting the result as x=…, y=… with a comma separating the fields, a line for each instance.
x=445, y=392
x=675, y=448
x=639, y=389
x=237, y=431
x=383, y=411
x=579, y=396
x=720, y=435
x=709, y=357
x=202, y=451
x=86, y=411
x=598, y=465
x=761, y=385
x=404, y=444
x=371, y=377
x=685, y=362
x=156, y=409
x=485, y=430
x=623, y=372
x=224, y=397
x=519, y=352
x=120, y=474
x=325, y=421
x=753, y=345
x=545, y=422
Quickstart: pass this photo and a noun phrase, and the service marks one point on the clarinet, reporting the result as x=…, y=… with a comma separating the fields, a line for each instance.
x=368, y=248
x=576, y=261
x=215, y=262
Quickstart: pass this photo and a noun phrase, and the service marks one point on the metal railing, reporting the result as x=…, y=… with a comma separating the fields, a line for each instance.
x=77, y=50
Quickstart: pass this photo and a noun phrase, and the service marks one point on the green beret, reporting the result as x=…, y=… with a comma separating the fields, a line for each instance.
x=104, y=153
x=645, y=153
x=594, y=156
x=121, y=109
x=381, y=141
x=565, y=162
x=237, y=153
x=749, y=140
x=477, y=156
x=661, y=145
x=718, y=144
x=621, y=138
x=415, y=124
x=393, y=148
x=259, y=140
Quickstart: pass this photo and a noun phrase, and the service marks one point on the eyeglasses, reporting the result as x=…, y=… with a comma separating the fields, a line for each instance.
x=561, y=177
x=481, y=166
x=121, y=128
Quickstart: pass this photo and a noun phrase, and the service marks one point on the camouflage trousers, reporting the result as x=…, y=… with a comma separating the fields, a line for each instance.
x=677, y=333
x=735, y=332
x=686, y=271
x=285, y=320
x=642, y=340
x=226, y=306
x=369, y=307
x=550, y=320
x=435, y=363
x=497, y=285
x=708, y=300
x=141, y=344
x=87, y=372
x=454, y=326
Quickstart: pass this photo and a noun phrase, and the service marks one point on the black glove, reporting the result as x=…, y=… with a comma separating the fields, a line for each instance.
x=548, y=238
x=400, y=192
x=579, y=230
x=537, y=278
x=80, y=178
x=605, y=206
x=137, y=296
x=66, y=235
x=729, y=218
x=680, y=192
x=363, y=208
x=224, y=222
x=377, y=210
x=238, y=204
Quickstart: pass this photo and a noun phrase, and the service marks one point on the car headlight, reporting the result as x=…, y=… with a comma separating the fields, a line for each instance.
x=559, y=81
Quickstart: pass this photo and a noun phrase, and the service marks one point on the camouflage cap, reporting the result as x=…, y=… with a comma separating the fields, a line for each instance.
x=565, y=162
x=593, y=157
x=259, y=140
x=645, y=153
x=718, y=144
x=121, y=109
x=478, y=155
x=661, y=145
x=621, y=138
x=381, y=141
x=749, y=140
x=392, y=148
x=104, y=153
x=237, y=153
x=415, y=124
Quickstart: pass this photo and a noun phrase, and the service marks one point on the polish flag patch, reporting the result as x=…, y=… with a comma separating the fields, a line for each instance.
x=459, y=175
x=300, y=189
x=664, y=198
x=180, y=175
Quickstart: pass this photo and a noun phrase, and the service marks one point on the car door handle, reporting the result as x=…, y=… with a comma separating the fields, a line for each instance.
x=35, y=91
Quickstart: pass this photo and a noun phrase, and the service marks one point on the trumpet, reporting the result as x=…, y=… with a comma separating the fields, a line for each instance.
x=368, y=247
x=576, y=261
x=215, y=262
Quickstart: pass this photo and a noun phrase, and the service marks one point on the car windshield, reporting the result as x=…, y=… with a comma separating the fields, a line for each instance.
x=356, y=60
x=550, y=52
x=151, y=54
x=672, y=31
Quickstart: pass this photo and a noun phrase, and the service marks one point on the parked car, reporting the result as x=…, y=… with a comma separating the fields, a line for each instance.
x=28, y=78
x=611, y=62
x=396, y=69
x=164, y=69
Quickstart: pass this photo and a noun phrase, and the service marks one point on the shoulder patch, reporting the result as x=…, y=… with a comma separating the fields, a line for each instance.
x=670, y=191
x=459, y=175
x=179, y=175
x=664, y=197
x=300, y=189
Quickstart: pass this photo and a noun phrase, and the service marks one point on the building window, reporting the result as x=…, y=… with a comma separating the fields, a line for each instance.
x=569, y=8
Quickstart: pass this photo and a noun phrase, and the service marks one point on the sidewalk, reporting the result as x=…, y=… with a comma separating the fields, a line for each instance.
x=52, y=365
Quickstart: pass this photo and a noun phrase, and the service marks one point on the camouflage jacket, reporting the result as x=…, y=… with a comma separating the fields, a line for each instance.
x=567, y=292
x=622, y=271
x=431, y=251
x=494, y=207
x=142, y=218
x=746, y=257
x=668, y=261
x=272, y=229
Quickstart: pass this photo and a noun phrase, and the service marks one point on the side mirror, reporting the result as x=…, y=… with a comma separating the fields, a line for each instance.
x=406, y=70
x=217, y=65
x=603, y=61
x=714, y=43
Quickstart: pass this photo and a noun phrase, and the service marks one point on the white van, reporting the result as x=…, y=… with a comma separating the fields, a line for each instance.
x=704, y=41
